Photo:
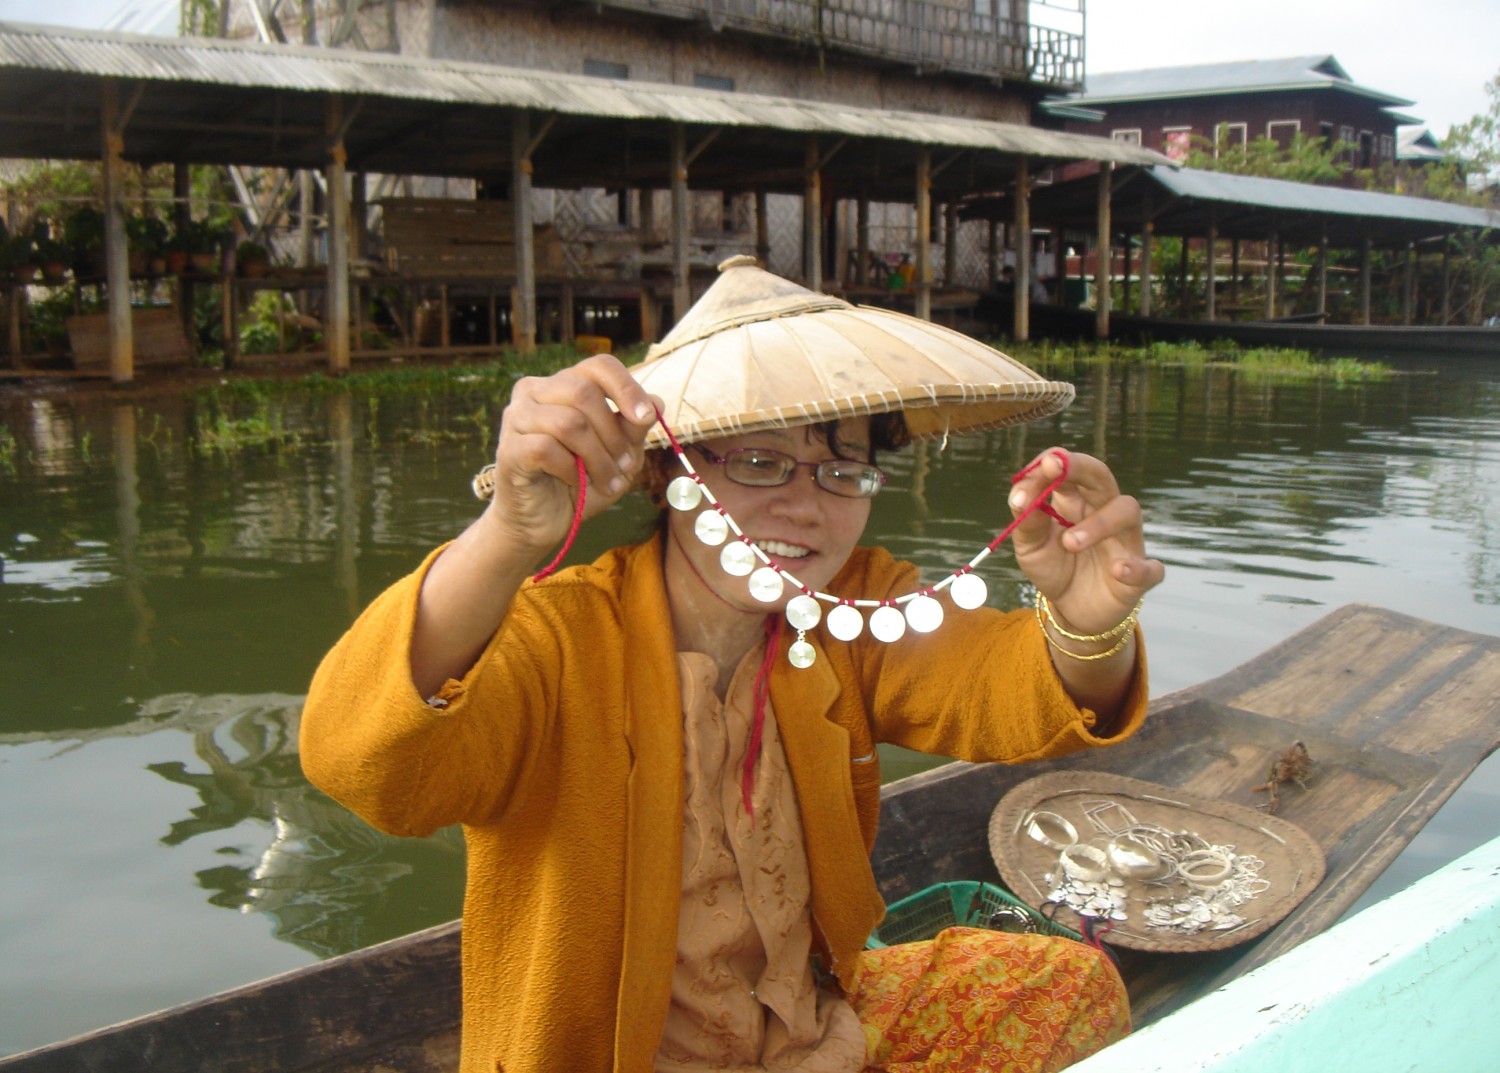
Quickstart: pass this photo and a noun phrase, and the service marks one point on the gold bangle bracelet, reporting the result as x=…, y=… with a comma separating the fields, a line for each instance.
x=1118, y=645
x=1044, y=606
x=1124, y=637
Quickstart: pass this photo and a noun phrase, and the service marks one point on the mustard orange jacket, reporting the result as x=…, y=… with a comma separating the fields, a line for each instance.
x=561, y=754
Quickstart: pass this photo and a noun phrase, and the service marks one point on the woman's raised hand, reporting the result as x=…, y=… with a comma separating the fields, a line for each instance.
x=1095, y=572
x=551, y=423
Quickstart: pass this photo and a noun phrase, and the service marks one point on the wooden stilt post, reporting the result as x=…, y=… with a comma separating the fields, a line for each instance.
x=1211, y=276
x=1103, y=268
x=812, y=217
x=682, y=293
x=862, y=241
x=336, y=308
x=1272, y=254
x=182, y=216
x=523, y=297
x=1125, y=279
x=1148, y=234
x=1021, y=330
x=762, y=229
x=112, y=121
x=1234, y=272
x=1409, y=285
x=950, y=244
x=1185, y=300
x=924, y=236
x=992, y=258
x=1365, y=269
x=1323, y=276
x=1447, y=283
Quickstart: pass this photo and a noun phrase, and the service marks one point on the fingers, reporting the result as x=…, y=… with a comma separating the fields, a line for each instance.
x=594, y=411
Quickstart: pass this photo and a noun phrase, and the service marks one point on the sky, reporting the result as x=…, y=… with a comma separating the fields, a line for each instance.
x=1439, y=54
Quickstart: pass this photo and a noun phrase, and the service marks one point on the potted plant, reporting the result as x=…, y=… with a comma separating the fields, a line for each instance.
x=83, y=234
x=252, y=259
x=146, y=236
x=51, y=253
x=178, y=249
x=18, y=255
x=204, y=241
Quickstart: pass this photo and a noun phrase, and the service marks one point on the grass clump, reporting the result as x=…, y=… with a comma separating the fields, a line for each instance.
x=1257, y=362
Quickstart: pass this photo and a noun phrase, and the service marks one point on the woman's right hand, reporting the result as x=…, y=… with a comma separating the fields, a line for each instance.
x=550, y=423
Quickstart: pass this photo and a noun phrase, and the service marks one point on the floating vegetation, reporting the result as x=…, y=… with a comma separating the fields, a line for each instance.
x=264, y=428
x=10, y=451
x=1259, y=362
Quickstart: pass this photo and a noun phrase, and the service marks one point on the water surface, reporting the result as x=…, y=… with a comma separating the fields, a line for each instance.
x=163, y=603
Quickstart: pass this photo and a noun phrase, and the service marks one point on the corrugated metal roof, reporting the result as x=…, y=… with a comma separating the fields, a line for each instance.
x=382, y=75
x=1306, y=198
x=1205, y=79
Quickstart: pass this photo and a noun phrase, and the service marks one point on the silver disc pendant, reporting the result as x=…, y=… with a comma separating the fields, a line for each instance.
x=803, y=612
x=766, y=585
x=887, y=623
x=844, y=622
x=683, y=493
x=801, y=654
x=711, y=528
x=737, y=558
x=969, y=591
x=924, y=614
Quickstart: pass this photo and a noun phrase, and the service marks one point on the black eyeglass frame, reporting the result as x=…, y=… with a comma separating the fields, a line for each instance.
x=816, y=467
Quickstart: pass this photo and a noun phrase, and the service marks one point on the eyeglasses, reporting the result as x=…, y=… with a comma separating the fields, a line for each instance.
x=758, y=467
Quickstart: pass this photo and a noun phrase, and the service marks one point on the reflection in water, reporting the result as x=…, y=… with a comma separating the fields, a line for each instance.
x=140, y=562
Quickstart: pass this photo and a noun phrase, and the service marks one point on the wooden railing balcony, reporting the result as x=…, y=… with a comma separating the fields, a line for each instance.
x=931, y=35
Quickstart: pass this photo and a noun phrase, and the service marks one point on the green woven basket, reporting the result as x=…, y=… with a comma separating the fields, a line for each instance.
x=975, y=905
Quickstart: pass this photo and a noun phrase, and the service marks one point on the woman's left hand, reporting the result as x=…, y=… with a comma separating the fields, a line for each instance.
x=1094, y=572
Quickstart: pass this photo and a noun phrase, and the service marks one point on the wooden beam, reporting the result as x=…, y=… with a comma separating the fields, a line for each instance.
x=1021, y=330
x=862, y=240
x=1447, y=281
x=1409, y=285
x=1234, y=271
x=117, y=268
x=1323, y=273
x=950, y=244
x=336, y=309
x=523, y=297
x=1272, y=256
x=1102, y=270
x=923, y=299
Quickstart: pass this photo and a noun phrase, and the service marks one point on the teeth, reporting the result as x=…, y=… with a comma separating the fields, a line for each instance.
x=777, y=550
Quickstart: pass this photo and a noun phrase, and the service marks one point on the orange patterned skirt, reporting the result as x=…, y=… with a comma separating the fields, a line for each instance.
x=973, y=999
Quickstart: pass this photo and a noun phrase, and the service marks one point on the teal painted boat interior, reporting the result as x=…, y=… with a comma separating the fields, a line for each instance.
x=1407, y=984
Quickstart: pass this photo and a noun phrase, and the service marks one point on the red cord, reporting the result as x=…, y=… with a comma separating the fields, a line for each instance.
x=583, y=481
x=762, y=693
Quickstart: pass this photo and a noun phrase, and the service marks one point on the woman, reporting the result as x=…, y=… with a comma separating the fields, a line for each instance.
x=669, y=801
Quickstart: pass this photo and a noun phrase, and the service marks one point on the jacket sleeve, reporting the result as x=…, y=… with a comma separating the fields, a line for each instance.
x=982, y=687
x=409, y=765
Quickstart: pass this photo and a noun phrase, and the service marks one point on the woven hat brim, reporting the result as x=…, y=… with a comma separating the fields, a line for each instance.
x=1293, y=860
x=834, y=363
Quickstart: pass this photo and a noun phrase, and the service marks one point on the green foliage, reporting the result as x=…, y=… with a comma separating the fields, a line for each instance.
x=1263, y=363
x=1306, y=160
x=1475, y=144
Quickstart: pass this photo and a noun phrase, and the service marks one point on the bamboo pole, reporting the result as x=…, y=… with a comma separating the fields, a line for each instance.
x=1323, y=276
x=1102, y=269
x=1409, y=285
x=1021, y=330
x=1273, y=255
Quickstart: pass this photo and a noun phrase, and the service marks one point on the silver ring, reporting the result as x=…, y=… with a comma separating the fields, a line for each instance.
x=1051, y=830
x=1087, y=864
x=1205, y=868
x=1131, y=858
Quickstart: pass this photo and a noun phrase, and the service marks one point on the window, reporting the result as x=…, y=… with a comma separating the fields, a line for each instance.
x=605, y=69
x=718, y=82
x=1366, y=156
x=1229, y=136
x=1130, y=136
x=1282, y=131
x=1349, y=145
x=1176, y=141
x=1325, y=131
x=1387, y=147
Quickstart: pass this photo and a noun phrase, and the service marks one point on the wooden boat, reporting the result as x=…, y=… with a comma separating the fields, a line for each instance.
x=1395, y=712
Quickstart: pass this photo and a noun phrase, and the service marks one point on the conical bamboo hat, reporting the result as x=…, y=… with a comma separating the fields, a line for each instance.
x=758, y=351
